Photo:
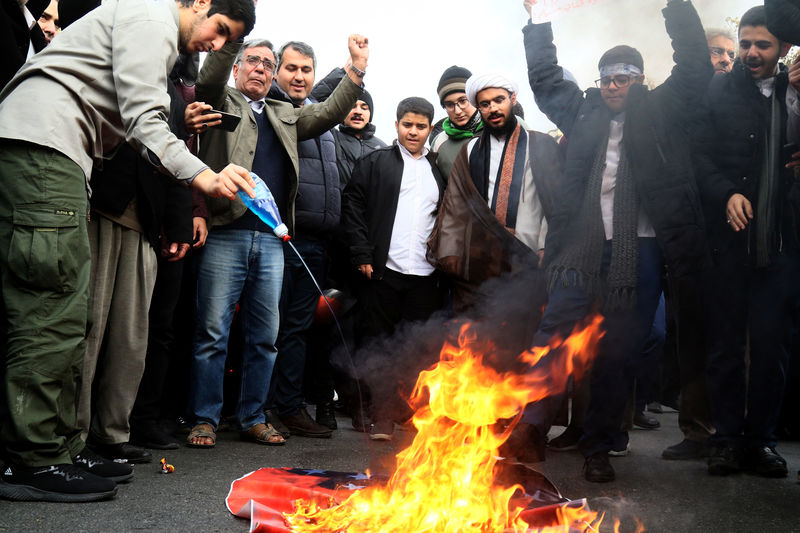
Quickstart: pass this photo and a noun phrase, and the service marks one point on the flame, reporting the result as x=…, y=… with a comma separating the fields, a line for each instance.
x=444, y=481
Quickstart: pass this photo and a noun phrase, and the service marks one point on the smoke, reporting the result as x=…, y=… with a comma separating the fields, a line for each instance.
x=503, y=321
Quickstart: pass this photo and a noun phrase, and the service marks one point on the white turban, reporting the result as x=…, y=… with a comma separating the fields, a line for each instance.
x=478, y=82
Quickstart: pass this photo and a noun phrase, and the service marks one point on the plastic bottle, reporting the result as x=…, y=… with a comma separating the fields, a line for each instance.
x=264, y=207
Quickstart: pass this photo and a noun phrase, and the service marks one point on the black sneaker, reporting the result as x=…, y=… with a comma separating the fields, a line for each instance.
x=597, y=468
x=303, y=425
x=724, y=460
x=326, y=415
x=765, y=461
x=151, y=435
x=89, y=461
x=55, y=483
x=122, y=452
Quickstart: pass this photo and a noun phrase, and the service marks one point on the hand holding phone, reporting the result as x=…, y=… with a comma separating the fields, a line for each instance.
x=226, y=121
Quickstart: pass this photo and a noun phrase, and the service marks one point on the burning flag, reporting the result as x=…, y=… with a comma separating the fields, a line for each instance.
x=450, y=479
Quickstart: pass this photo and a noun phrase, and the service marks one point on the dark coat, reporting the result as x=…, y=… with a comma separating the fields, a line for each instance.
x=349, y=148
x=15, y=37
x=730, y=153
x=655, y=134
x=163, y=205
x=318, y=204
x=369, y=205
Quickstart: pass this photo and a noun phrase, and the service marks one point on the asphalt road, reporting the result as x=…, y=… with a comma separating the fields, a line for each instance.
x=666, y=496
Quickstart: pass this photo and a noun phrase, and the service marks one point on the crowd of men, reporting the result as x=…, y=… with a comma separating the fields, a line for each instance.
x=686, y=190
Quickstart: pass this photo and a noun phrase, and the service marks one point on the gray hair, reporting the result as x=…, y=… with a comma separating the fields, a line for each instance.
x=299, y=47
x=711, y=33
x=252, y=43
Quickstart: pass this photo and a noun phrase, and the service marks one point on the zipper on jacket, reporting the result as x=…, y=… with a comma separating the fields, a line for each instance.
x=658, y=144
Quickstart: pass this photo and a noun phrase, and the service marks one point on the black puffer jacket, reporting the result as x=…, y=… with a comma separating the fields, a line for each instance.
x=730, y=152
x=655, y=133
x=318, y=204
x=349, y=147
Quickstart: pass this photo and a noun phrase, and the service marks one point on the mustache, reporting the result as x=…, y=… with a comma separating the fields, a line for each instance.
x=753, y=62
x=496, y=115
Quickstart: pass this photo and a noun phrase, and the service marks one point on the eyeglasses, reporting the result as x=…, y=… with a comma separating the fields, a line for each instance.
x=716, y=51
x=486, y=104
x=461, y=102
x=620, y=80
x=254, y=61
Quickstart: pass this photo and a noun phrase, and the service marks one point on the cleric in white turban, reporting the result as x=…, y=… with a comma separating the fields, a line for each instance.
x=478, y=82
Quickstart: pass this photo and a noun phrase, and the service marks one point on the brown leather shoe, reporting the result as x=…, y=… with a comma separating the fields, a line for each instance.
x=303, y=425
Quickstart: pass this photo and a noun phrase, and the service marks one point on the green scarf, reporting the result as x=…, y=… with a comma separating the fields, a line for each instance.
x=470, y=129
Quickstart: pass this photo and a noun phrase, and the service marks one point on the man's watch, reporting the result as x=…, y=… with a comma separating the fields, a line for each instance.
x=357, y=71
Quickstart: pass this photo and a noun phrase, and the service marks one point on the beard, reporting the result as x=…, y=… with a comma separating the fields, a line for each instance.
x=503, y=131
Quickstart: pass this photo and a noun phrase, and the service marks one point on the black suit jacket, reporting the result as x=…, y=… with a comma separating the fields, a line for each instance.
x=369, y=205
x=15, y=37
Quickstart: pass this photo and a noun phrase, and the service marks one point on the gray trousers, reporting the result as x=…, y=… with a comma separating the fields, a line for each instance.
x=123, y=275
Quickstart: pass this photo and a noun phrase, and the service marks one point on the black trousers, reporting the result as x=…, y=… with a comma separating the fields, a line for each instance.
x=166, y=293
x=755, y=307
x=387, y=303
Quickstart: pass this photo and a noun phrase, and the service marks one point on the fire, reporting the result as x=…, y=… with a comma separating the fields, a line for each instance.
x=444, y=481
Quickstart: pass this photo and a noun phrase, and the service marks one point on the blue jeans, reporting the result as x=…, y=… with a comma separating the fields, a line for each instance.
x=236, y=266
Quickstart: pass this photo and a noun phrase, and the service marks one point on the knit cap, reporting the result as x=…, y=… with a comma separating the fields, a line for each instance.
x=453, y=80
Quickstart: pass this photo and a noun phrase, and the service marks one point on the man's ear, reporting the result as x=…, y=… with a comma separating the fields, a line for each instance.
x=513, y=98
x=201, y=5
x=785, y=47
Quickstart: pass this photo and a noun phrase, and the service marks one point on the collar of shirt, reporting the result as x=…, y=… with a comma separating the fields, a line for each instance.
x=404, y=151
x=766, y=86
x=256, y=105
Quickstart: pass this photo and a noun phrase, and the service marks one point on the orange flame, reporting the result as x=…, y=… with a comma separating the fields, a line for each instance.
x=444, y=481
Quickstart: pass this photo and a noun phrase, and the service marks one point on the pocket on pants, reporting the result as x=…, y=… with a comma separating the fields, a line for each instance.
x=46, y=246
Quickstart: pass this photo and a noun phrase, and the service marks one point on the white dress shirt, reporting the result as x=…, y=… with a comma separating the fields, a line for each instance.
x=496, y=146
x=256, y=105
x=413, y=221
x=644, y=228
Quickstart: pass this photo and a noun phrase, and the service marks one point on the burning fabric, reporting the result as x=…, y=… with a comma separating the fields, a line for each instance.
x=450, y=479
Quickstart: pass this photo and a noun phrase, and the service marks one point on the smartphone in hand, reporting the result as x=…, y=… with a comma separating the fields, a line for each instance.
x=229, y=121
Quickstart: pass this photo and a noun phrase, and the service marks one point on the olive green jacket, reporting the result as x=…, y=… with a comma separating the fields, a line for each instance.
x=218, y=148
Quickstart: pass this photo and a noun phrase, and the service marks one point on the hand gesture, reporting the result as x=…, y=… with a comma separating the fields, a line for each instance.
x=199, y=231
x=227, y=183
x=173, y=251
x=794, y=74
x=739, y=212
x=359, y=50
x=529, y=7
x=196, y=122
x=366, y=270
